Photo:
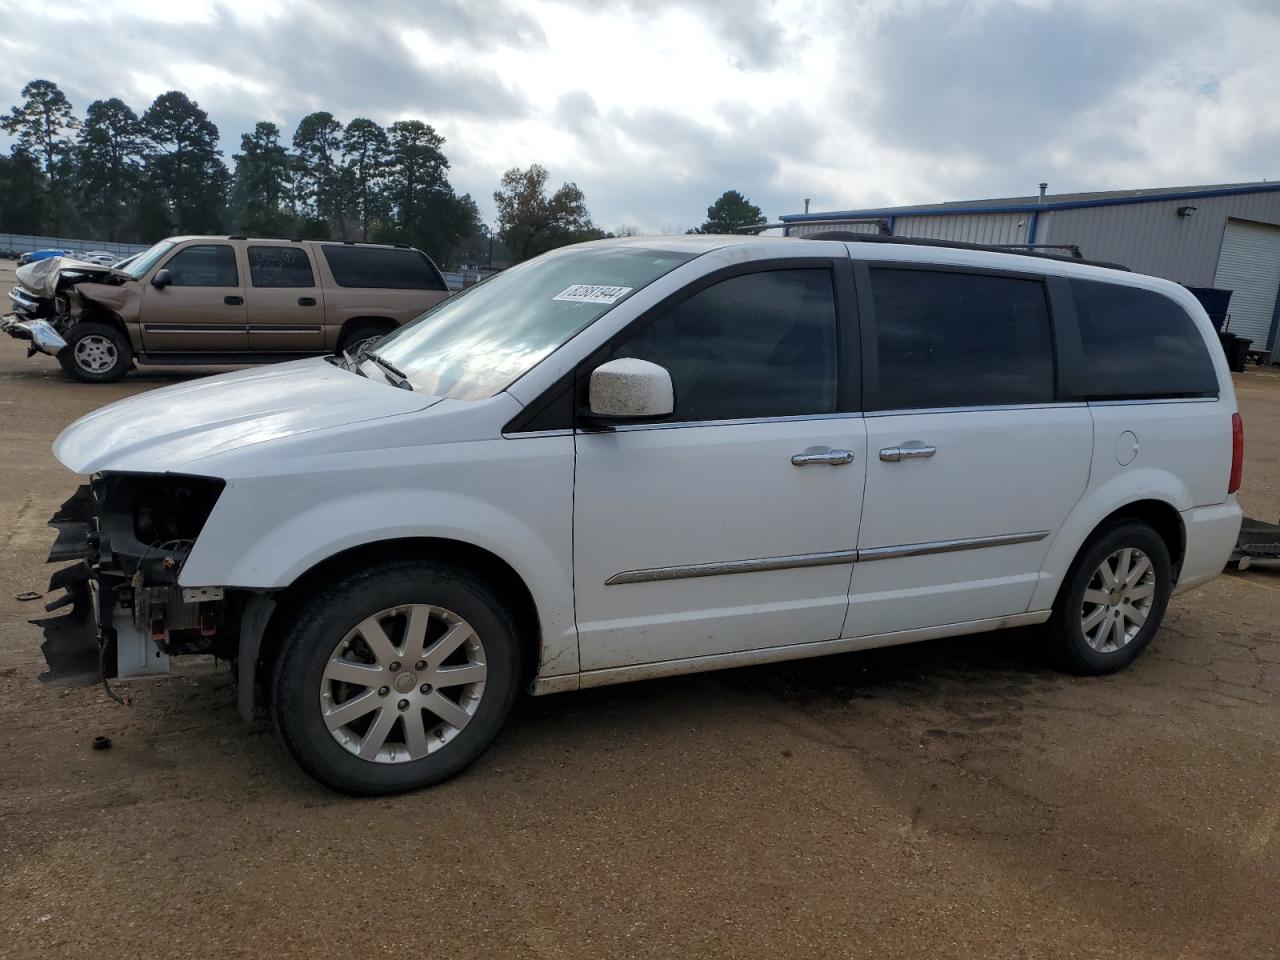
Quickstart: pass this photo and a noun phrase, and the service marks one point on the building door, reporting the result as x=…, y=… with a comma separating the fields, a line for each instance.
x=1249, y=266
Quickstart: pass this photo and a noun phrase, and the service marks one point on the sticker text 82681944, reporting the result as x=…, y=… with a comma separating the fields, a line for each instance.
x=592, y=293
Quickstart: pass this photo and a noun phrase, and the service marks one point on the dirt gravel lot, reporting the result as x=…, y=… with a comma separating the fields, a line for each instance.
x=950, y=799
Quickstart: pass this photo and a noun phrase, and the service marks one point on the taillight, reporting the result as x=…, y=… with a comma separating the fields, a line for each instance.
x=1237, y=453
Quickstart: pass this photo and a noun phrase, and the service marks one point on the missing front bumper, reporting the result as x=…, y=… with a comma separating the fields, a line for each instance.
x=94, y=636
x=39, y=333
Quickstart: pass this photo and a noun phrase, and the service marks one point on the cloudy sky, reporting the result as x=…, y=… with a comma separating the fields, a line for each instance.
x=654, y=107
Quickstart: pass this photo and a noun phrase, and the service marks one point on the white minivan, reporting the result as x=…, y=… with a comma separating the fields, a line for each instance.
x=650, y=456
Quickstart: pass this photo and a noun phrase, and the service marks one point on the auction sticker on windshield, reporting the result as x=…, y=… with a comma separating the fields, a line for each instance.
x=591, y=293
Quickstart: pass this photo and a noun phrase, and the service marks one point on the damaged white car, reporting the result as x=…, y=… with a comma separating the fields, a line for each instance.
x=644, y=457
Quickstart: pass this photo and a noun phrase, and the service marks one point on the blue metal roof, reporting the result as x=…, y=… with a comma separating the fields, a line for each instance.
x=1033, y=204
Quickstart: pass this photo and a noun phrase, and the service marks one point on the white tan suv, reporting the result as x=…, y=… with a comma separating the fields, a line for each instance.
x=644, y=457
x=219, y=300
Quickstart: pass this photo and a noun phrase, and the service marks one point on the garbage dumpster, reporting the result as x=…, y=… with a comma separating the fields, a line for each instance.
x=1237, y=352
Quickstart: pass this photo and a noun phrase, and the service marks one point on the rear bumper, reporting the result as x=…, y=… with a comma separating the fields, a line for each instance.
x=1211, y=536
x=40, y=333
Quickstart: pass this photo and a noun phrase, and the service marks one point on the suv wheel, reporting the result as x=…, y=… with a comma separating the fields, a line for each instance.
x=360, y=337
x=1113, y=600
x=96, y=353
x=396, y=677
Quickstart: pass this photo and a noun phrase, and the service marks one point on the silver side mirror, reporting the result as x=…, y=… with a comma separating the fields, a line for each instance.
x=630, y=389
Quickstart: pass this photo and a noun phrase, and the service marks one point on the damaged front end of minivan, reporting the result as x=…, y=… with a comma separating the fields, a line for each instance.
x=125, y=538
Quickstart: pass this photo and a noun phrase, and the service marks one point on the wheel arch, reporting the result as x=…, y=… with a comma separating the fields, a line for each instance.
x=474, y=559
x=1158, y=504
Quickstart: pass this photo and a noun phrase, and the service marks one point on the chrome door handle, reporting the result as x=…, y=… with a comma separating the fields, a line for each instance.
x=911, y=450
x=834, y=457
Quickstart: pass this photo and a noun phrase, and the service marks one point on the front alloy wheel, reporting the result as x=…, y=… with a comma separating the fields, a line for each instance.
x=403, y=683
x=395, y=677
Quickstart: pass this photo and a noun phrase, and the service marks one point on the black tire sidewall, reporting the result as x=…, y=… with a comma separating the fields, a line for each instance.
x=1074, y=651
x=336, y=610
x=361, y=333
x=124, y=353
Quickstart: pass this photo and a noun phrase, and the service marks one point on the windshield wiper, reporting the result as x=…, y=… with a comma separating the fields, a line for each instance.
x=349, y=362
x=390, y=371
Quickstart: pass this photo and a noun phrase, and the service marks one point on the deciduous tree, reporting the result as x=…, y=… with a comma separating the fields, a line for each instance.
x=531, y=222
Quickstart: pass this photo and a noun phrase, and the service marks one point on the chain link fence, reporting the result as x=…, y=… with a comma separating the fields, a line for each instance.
x=22, y=242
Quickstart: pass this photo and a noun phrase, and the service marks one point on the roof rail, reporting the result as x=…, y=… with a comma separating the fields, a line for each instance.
x=1017, y=249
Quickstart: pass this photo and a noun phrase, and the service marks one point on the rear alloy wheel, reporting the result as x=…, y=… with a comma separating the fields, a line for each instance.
x=1118, y=600
x=395, y=677
x=1113, y=599
x=96, y=353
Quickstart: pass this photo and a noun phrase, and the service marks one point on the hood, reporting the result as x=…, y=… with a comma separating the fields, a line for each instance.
x=169, y=429
x=41, y=276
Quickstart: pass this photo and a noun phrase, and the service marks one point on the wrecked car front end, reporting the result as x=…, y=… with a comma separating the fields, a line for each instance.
x=125, y=538
x=49, y=300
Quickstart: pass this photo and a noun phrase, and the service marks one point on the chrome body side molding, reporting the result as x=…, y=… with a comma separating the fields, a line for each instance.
x=719, y=568
x=948, y=546
x=652, y=574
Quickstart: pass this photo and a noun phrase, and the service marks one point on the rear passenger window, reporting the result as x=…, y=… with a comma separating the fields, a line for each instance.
x=204, y=265
x=759, y=345
x=386, y=269
x=960, y=340
x=1137, y=343
x=280, y=267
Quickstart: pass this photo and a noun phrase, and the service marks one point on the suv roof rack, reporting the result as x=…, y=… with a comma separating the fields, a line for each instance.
x=1018, y=249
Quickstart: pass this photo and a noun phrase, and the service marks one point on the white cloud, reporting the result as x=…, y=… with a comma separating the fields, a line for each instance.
x=654, y=107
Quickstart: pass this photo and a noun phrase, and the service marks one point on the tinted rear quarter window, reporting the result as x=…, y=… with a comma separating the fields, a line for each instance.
x=382, y=268
x=1135, y=344
x=280, y=267
x=948, y=339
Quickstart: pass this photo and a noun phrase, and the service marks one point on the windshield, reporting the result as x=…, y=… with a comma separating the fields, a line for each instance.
x=475, y=344
x=142, y=262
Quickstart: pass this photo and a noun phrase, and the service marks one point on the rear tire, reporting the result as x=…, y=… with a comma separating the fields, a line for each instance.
x=1113, y=599
x=96, y=353
x=396, y=677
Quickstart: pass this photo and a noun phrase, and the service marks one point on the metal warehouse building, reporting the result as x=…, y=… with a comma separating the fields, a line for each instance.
x=1225, y=236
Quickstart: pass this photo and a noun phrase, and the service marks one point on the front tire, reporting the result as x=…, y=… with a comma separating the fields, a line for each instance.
x=96, y=353
x=396, y=677
x=1113, y=600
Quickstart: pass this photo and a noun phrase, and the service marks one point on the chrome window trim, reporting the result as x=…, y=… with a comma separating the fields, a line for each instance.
x=1151, y=400
x=633, y=427
x=760, y=564
x=525, y=434
x=948, y=546
x=719, y=568
x=981, y=408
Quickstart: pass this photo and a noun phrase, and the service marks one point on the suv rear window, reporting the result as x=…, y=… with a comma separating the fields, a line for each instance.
x=1137, y=343
x=948, y=339
x=382, y=268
